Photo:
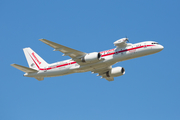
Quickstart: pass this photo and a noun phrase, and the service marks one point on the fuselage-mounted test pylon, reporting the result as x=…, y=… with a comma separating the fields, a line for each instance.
x=96, y=62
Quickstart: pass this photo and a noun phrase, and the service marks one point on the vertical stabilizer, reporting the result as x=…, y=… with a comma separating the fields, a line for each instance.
x=34, y=60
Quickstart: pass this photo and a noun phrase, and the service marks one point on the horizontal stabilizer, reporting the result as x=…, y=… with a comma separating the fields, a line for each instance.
x=23, y=68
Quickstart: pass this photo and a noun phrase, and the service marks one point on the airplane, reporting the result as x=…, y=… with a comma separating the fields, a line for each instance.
x=96, y=62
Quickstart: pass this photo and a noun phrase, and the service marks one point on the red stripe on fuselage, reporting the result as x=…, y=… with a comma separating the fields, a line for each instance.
x=130, y=49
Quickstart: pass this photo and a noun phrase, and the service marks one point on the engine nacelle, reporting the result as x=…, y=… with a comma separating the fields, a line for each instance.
x=91, y=57
x=115, y=72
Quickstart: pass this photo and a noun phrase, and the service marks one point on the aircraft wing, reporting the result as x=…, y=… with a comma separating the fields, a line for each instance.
x=74, y=54
x=102, y=72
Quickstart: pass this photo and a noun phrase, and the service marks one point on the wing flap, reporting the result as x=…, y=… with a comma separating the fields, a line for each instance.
x=23, y=68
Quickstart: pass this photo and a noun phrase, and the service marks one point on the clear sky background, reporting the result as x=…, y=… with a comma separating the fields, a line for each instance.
x=150, y=89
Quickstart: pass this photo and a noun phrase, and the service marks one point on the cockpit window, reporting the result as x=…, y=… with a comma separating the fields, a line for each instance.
x=155, y=43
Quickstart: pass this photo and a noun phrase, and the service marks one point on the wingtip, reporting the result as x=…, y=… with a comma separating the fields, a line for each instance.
x=12, y=64
x=41, y=39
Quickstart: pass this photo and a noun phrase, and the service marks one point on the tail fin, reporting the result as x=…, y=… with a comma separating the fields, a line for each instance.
x=34, y=60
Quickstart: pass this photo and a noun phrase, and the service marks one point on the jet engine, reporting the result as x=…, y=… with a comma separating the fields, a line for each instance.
x=115, y=72
x=91, y=57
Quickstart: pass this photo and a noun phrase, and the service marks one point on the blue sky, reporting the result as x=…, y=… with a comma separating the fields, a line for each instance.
x=150, y=89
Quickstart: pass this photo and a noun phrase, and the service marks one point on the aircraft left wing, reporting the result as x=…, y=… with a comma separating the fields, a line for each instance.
x=102, y=72
x=74, y=54
x=121, y=42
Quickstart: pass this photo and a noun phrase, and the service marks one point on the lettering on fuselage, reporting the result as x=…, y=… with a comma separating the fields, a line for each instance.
x=107, y=52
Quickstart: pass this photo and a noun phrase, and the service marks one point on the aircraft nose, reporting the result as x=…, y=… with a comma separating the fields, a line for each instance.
x=161, y=47
x=157, y=48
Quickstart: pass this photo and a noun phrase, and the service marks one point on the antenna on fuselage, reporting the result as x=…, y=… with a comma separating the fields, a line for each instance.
x=127, y=39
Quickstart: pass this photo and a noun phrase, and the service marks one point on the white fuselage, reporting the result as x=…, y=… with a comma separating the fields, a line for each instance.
x=109, y=57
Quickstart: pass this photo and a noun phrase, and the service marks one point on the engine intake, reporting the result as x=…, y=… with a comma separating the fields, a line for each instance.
x=91, y=57
x=115, y=72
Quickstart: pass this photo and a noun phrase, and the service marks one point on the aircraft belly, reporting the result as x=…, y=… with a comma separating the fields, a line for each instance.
x=58, y=72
